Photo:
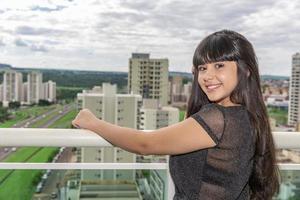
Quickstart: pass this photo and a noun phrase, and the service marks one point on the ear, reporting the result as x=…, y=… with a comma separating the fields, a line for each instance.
x=193, y=70
x=248, y=73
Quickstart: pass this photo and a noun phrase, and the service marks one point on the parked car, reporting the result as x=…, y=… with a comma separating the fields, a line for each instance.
x=53, y=195
x=61, y=149
x=39, y=187
x=45, y=176
x=48, y=172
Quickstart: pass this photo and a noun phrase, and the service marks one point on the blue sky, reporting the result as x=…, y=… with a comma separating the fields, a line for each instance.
x=101, y=35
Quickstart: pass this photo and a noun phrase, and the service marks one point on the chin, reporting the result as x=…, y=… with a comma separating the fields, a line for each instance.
x=215, y=100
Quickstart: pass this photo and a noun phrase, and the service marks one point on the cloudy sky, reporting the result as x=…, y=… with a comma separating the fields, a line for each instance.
x=101, y=35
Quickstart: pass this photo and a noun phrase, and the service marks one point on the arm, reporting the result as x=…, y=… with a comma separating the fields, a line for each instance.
x=182, y=137
x=129, y=139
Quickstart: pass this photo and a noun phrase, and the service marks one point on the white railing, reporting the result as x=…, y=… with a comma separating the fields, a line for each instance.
x=40, y=137
x=25, y=137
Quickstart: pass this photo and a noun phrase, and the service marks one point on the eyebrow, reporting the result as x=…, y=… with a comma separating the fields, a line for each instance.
x=203, y=65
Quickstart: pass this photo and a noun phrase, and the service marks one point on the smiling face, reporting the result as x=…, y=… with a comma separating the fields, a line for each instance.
x=218, y=80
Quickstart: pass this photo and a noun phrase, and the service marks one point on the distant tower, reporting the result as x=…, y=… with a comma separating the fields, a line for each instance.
x=35, y=87
x=12, y=87
x=149, y=77
x=294, y=91
x=49, y=89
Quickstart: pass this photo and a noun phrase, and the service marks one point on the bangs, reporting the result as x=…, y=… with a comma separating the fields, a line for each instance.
x=216, y=48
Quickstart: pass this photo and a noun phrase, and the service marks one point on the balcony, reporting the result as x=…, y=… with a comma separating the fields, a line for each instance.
x=160, y=180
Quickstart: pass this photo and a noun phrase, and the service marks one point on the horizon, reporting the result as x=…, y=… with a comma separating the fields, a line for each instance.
x=87, y=70
x=43, y=34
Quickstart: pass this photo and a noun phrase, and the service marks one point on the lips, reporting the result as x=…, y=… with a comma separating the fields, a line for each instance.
x=212, y=87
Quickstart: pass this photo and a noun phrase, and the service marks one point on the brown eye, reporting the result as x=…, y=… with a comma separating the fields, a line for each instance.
x=201, y=68
x=219, y=65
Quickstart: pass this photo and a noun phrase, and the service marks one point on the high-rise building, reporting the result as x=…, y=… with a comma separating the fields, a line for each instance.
x=187, y=90
x=294, y=91
x=25, y=93
x=123, y=110
x=35, y=87
x=154, y=116
x=176, y=91
x=12, y=87
x=149, y=77
x=1, y=92
x=180, y=92
x=119, y=109
x=50, y=91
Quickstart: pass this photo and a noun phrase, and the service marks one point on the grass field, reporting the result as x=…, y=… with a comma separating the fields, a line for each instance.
x=23, y=114
x=65, y=121
x=181, y=115
x=279, y=115
x=19, y=156
x=47, y=118
x=21, y=184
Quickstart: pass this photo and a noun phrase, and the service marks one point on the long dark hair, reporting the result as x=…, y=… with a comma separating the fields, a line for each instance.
x=228, y=45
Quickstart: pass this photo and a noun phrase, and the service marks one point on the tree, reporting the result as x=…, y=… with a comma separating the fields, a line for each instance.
x=3, y=114
x=43, y=102
x=14, y=104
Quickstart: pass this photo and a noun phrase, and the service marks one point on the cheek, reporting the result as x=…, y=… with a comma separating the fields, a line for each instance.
x=229, y=79
x=201, y=82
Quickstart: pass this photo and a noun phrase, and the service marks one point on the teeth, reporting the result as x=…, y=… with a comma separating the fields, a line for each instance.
x=213, y=86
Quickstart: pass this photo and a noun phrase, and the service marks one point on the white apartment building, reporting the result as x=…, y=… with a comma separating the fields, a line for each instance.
x=149, y=77
x=120, y=109
x=180, y=92
x=12, y=87
x=25, y=93
x=49, y=91
x=1, y=92
x=125, y=110
x=34, y=87
x=294, y=91
x=153, y=117
x=176, y=89
x=187, y=90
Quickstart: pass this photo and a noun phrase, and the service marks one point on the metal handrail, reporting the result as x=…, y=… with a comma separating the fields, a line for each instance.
x=44, y=137
x=25, y=137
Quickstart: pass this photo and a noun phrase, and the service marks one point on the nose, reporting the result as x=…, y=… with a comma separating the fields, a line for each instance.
x=209, y=74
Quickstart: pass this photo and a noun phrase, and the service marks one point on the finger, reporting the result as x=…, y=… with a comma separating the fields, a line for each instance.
x=77, y=126
x=74, y=124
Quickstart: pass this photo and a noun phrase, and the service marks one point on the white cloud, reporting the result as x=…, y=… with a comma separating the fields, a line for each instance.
x=101, y=35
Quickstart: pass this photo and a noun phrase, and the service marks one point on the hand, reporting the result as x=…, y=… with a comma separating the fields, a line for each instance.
x=85, y=119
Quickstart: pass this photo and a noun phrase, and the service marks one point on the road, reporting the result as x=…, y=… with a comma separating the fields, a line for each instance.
x=56, y=176
x=66, y=155
x=5, y=151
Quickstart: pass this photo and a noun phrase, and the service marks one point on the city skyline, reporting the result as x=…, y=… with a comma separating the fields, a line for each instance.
x=100, y=36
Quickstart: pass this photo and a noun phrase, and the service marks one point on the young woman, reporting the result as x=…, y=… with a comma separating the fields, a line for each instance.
x=224, y=148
